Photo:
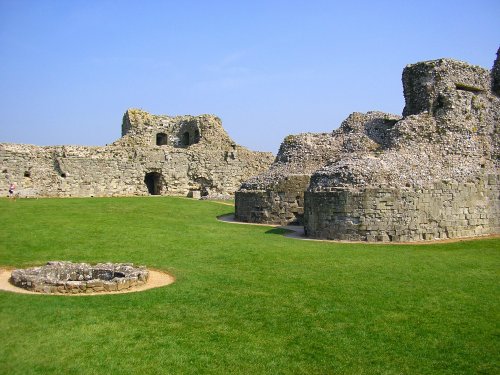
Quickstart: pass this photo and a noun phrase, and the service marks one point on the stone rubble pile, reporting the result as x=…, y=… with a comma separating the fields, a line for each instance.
x=72, y=278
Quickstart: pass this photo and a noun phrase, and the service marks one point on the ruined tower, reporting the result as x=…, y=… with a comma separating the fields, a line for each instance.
x=437, y=177
x=431, y=174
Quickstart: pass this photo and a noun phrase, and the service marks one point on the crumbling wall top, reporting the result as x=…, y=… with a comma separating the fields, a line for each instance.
x=425, y=83
x=140, y=128
x=303, y=154
x=449, y=132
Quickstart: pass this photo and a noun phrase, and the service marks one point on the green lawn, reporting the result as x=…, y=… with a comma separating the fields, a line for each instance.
x=246, y=300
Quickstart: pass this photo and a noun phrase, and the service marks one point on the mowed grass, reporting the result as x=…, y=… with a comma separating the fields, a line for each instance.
x=246, y=300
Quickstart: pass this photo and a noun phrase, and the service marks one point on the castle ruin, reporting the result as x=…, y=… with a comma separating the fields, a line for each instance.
x=156, y=155
x=430, y=174
x=277, y=195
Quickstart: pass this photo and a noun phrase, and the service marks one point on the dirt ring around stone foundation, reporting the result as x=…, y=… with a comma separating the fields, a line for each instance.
x=156, y=279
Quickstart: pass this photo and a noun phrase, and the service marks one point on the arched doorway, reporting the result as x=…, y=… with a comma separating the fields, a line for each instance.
x=153, y=183
x=185, y=139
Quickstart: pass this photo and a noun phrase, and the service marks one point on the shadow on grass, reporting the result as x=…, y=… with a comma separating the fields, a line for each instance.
x=229, y=217
x=280, y=231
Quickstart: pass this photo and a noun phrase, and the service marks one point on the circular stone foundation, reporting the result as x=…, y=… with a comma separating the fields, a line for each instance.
x=74, y=278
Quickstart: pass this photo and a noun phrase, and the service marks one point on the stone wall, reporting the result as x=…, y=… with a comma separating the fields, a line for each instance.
x=428, y=85
x=208, y=163
x=140, y=128
x=436, y=178
x=277, y=195
x=282, y=204
x=431, y=174
x=440, y=211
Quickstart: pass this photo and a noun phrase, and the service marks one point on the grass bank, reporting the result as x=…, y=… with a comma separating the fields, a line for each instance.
x=246, y=301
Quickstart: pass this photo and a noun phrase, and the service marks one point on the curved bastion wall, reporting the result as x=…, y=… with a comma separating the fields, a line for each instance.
x=156, y=155
x=277, y=195
x=442, y=210
x=431, y=174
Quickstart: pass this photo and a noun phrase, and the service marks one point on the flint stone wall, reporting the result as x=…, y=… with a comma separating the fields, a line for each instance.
x=436, y=179
x=441, y=211
x=281, y=205
x=277, y=195
x=195, y=155
x=431, y=174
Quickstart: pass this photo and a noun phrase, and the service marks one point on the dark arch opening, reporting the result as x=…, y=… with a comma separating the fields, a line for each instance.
x=161, y=139
x=196, y=136
x=185, y=139
x=153, y=183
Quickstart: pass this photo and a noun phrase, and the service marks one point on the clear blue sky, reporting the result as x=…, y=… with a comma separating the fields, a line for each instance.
x=69, y=69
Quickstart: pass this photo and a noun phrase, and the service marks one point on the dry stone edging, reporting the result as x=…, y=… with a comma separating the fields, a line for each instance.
x=68, y=277
x=74, y=279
